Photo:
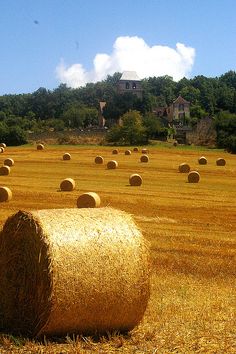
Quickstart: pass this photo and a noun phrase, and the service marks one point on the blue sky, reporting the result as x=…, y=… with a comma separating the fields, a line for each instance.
x=46, y=42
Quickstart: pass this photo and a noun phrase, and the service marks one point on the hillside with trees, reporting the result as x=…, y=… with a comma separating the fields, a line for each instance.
x=67, y=108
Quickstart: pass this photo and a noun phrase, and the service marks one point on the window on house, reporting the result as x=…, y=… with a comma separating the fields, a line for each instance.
x=181, y=107
x=134, y=85
x=127, y=85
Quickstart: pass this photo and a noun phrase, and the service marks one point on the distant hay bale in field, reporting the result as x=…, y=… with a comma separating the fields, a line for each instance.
x=67, y=156
x=68, y=184
x=193, y=177
x=184, y=168
x=202, y=160
x=135, y=149
x=2, y=150
x=3, y=145
x=88, y=200
x=145, y=151
x=144, y=158
x=115, y=152
x=5, y=170
x=72, y=271
x=175, y=143
x=99, y=160
x=9, y=162
x=40, y=147
x=127, y=152
x=111, y=165
x=220, y=162
x=5, y=194
x=135, y=180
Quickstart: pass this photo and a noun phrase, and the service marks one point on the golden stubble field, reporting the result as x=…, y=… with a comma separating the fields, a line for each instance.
x=191, y=229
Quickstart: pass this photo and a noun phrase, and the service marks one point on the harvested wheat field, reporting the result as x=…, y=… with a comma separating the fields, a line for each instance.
x=191, y=228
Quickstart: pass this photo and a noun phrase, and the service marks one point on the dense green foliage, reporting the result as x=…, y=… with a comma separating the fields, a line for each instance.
x=78, y=108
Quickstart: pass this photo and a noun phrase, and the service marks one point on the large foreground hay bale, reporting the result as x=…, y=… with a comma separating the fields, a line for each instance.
x=184, y=168
x=144, y=158
x=88, y=200
x=8, y=162
x=68, y=184
x=66, y=271
x=135, y=180
x=67, y=156
x=99, y=160
x=112, y=165
x=5, y=170
x=40, y=147
x=202, y=160
x=193, y=177
x=3, y=145
x=5, y=194
x=220, y=162
x=127, y=152
x=115, y=152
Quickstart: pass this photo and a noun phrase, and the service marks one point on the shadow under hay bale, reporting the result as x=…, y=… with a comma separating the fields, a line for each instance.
x=135, y=180
x=220, y=162
x=65, y=271
x=9, y=162
x=5, y=194
x=88, y=200
x=202, y=160
x=111, y=165
x=193, y=177
x=40, y=147
x=144, y=158
x=99, y=160
x=5, y=170
x=66, y=156
x=68, y=184
x=184, y=168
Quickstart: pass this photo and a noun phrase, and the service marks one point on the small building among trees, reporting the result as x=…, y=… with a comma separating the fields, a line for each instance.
x=130, y=83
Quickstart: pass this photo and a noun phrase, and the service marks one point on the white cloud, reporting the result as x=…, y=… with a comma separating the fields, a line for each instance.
x=131, y=53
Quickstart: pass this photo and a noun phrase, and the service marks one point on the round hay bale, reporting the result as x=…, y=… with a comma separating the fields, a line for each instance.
x=2, y=150
x=115, y=152
x=68, y=271
x=88, y=200
x=9, y=162
x=5, y=170
x=144, y=158
x=66, y=156
x=184, y=168
x=5, y=194
x=40, y=147
x=3, y=145
x=111, y=165
x=220, y=162
x=99, y=160
x=193, y=177
x=175, y=143
x=135, y=180
x=202, y=160
x=127, y=152
x=68, y=184
x=145, y=151
x=135, y=149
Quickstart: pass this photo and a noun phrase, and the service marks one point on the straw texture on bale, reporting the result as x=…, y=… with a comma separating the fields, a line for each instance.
x=65, y=271
x=40, y=147
x=5, y=170
x=115, y=152
x=202, y=160
x=127, y=152
x=135, y=149
x=145, y=151
x=99, y=160
x=135, y=180
x=9, y=162
x=112, y=164
x=2, y=150
x=68, y=184
x=67, y=156
x=5, y=194
x=88, y=200
x=144, y=158
x=184, y=168
x=3, y=145
x=193, y=177
x=220, y=162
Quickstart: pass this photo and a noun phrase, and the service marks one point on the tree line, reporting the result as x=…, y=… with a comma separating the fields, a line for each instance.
x=65, y=107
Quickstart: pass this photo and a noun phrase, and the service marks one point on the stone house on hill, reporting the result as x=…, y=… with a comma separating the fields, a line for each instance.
x=131, y=83
x=178, y=111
